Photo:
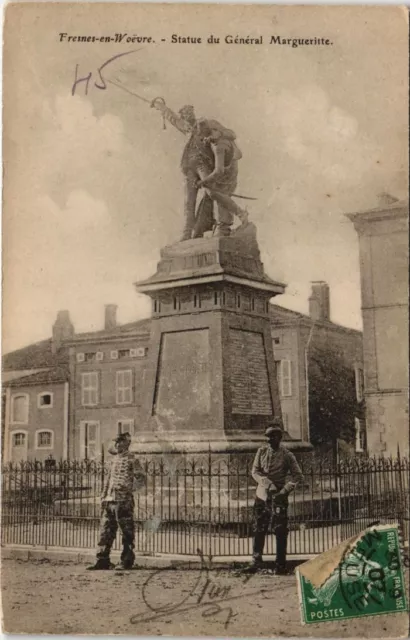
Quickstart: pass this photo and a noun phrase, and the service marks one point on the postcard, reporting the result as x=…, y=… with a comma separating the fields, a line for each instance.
x=205, y=320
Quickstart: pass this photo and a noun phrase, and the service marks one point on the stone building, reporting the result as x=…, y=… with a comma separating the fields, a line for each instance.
x=36, y=395
x=107, y=371
x=298, y=341
x=71, y=394
x=383, y=248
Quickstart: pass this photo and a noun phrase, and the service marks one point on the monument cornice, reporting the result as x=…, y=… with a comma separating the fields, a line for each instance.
x=155, y=284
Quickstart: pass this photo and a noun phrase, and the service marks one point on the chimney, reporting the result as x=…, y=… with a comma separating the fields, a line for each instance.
x=110, y=317
x=63, y=329
x=319, y=301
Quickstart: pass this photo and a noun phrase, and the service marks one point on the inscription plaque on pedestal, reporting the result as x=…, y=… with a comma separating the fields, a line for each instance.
x=183, y=381
x=249, y=373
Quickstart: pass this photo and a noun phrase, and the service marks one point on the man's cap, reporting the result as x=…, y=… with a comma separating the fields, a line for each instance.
x=275, y=426
x=270, y=431
x=122, y=437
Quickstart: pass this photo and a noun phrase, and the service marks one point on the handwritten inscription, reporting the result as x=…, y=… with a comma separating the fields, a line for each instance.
x=98, y=78
x=207, y=592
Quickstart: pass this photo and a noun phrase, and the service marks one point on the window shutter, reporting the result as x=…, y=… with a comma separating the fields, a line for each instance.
x=286, y=378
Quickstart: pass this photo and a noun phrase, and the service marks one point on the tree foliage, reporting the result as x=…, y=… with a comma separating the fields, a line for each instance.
x=332, y=398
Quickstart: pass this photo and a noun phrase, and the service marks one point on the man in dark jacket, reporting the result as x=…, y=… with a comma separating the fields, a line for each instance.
x=270, y=469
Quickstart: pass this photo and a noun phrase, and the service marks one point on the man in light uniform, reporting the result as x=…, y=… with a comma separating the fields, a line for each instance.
x=125, y=475
x=271, y=466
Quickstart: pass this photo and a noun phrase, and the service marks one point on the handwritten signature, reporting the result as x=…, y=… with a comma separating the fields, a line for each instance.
x=100, y=82
x=205, y=592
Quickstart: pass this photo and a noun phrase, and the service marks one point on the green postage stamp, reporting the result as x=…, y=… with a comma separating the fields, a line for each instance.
x=363, y=576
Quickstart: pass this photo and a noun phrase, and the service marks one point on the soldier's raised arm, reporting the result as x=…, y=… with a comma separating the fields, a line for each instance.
x=177, y=121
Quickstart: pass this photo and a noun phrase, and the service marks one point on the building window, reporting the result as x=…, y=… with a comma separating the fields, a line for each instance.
x=18, y=446
x=124, y=353
x=360, y=428
x=19, y=408
x=89, y=388
x=124, y=387
x=276, y=340
x=44, y=439
x=45, y=400
x=284, y=372
x=19, y=439
x=90, y=436
x=90, y=357
x=124, y=426
x=359, y=379
x=139, y=352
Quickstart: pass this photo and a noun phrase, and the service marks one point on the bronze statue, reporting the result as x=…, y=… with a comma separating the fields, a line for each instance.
x=209, y=161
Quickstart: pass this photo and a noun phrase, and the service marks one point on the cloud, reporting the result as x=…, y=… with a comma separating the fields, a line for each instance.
x=322, y=137
x=81, y=213
x=78, y=149
x=66, y=257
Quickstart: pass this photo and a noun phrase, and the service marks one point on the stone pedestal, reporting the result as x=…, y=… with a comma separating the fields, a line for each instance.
x=210, y=382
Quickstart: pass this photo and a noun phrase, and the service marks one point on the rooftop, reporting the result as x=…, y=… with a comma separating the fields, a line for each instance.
x=47, y=376
x=35, y=356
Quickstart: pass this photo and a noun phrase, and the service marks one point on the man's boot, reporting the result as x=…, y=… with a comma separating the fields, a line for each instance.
x=257, y=561
x=258, y=545
x=102, y=564
x=281, y=546
x=127, y=559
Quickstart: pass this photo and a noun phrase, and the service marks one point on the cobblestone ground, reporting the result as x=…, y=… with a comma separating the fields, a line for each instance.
x=63, y=598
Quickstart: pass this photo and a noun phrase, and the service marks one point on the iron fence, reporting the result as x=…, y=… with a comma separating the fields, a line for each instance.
x=202, y=503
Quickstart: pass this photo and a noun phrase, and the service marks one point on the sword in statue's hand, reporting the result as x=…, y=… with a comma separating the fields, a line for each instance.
x=159, y=103
x=136, y=95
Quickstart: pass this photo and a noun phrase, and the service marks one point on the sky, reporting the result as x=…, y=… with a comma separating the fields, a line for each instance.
x=92, y=184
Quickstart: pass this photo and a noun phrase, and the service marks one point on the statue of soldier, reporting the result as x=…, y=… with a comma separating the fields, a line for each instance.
x=209, y=161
